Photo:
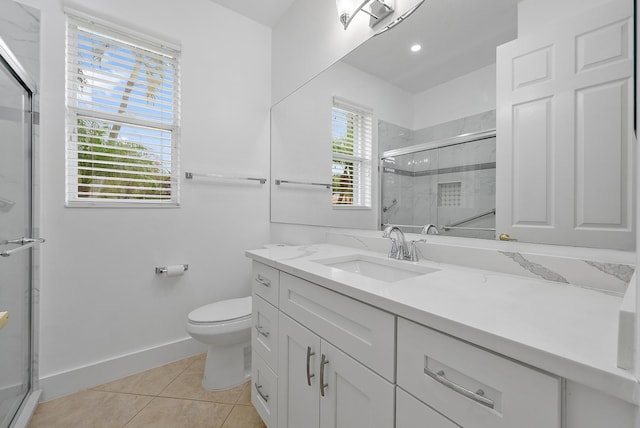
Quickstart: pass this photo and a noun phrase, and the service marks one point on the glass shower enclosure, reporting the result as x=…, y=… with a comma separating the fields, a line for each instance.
x=448, y=183
x=16, y=241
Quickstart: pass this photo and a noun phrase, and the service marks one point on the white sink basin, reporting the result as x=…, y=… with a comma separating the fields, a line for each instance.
x=387, y=270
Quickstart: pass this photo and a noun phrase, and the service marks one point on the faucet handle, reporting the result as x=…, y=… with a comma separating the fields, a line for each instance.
x=413, y=251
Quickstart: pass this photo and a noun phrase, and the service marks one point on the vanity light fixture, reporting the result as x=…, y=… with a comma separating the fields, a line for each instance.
x=378, y=10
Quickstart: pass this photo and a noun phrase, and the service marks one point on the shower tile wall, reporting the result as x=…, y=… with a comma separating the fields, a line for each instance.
x=20, y=30
x=412, y=180
x=465, y=125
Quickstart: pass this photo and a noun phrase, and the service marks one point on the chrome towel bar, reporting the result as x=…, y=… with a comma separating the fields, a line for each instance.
x=191, y=175
x=306, y=183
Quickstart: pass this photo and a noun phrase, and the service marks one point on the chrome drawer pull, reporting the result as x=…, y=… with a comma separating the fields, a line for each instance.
x=263, y=396
x=262, y=332
x=309, y=374
x=475, y=396
x=264, y=281
x=323, y=362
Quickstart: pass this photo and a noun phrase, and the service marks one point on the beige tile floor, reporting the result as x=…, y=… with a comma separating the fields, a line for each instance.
x=170, y=396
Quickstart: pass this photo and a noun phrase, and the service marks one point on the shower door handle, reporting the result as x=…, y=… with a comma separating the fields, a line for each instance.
x=25, y=244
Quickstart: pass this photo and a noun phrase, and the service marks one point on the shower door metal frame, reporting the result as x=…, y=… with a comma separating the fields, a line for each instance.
x=437, y=144
x=30, y=402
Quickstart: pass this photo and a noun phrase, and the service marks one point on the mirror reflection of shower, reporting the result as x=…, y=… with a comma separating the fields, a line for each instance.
x=385, y=210
x=449, y=183
x=6, y=205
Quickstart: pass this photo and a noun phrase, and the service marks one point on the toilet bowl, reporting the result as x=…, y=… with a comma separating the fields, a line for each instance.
x=225, y=327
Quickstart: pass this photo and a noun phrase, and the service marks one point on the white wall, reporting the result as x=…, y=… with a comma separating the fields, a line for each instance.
x=464, y=96
x=536, y=14
x=301, y=144
x=100, y=297
x=309, y=38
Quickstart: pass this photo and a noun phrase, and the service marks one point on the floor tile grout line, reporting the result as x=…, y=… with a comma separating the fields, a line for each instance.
x=138, y=412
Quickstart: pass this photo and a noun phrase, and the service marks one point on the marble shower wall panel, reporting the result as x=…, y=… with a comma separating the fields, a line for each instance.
x=425, y=200
x=392, y=136
x=20, y=30
x=473, y=153
x=465, y=125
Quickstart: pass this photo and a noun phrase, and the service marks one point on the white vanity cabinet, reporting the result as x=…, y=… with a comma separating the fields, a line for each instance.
x=333, y=354
x=321, y=386
x=473, y=387
x=264, y=342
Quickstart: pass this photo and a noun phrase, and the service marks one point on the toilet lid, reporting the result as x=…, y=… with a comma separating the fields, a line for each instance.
x=225, y=310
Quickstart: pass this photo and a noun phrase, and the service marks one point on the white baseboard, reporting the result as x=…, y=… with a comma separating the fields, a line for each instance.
x=70, y=381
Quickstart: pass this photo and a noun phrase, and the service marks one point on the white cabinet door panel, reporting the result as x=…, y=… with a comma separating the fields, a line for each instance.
x=265, y=282
x=412, y=413
x=473, y=387
x=264, y=391
x=264, y=334
x=354, y=396
x=298, y=383
x=362, y=331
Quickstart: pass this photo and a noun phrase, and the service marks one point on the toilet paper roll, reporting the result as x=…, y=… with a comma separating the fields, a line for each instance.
x=175, y=270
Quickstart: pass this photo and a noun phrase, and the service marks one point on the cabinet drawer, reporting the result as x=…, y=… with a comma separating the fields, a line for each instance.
x=264, y=334
x=411, y=413
x=362, y=331
x=264, y=391
x=473, y=387
x=265, y=282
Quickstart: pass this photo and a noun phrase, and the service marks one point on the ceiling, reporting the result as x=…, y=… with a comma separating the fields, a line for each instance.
x=267, y=12
x=457, y=37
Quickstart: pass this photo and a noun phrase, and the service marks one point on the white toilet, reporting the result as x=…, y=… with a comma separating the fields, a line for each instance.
x=225, y=327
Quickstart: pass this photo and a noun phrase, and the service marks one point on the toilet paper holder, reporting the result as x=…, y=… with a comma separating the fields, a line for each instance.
x=163, y=269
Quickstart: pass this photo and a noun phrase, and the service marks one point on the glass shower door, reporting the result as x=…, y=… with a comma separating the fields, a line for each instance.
x=15, y=250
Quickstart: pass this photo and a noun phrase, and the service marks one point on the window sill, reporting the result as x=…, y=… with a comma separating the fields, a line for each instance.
x=100, y=204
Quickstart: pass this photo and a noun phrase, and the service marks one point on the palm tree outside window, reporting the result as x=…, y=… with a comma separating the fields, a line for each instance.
x=122, y=116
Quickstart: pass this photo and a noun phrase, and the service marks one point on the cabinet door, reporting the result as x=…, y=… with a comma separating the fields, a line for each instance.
x=565, y=132
x=352, y=396
x=264, y=391
x=473, y=387
x=362, y=331
x=266, y=282
x=411, y=413
x=264, y=334
x=298, y=380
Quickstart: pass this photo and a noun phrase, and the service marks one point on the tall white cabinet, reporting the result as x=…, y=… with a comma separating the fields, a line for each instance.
x=565, y=132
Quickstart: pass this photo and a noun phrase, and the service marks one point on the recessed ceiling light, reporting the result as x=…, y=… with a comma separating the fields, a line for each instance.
x=416, y=48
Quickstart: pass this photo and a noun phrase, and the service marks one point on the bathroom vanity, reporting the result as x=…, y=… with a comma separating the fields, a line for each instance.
x=347, y=337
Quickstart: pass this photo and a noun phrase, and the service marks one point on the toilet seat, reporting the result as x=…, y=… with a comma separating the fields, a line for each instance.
x=222, y=312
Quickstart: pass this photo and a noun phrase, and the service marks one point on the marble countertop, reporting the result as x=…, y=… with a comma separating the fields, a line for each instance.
x=560, y=328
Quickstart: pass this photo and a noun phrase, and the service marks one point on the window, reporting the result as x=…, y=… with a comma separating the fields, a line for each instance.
x=351, y=146
x=122, y=117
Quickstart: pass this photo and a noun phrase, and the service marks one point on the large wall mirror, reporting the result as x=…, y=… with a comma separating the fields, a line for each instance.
x=415, y=104
x=559, y=100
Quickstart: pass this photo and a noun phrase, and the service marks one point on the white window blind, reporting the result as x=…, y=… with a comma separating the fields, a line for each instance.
x=351, y=146
x=122, y=117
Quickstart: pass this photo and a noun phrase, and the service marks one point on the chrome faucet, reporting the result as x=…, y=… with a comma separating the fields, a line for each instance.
x=430, y=229
x=399, y=248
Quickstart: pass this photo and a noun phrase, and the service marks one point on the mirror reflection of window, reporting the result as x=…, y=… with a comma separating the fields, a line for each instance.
x=352, y=129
